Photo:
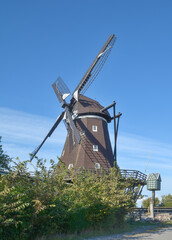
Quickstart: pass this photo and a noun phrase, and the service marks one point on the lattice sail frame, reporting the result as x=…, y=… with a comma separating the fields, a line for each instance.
x=61, y=89
x=95, y=71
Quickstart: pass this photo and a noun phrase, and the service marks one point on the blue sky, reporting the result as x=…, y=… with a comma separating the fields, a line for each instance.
x=41, y=40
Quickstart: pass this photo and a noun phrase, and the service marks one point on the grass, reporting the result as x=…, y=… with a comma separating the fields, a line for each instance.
x=110, y=230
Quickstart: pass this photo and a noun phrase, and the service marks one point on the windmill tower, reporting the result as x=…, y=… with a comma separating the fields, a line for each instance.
x=87, y=144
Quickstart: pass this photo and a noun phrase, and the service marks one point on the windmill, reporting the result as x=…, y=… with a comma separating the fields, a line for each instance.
x=87, y=143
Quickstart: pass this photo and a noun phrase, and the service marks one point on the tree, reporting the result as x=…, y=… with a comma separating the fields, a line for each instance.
x=4, y=158
x=146, y=202
x=166, y=200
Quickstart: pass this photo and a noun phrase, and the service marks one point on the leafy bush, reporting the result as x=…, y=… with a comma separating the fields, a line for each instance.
x=166, y=200
x=146, y=202
x=48, y=203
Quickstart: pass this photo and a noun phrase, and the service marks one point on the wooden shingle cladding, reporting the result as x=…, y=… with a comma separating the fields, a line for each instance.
x=82, y=155
x=88, y=106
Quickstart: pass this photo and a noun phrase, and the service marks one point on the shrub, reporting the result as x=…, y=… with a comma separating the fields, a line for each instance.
x=46, y=203
x=166, y=200
x=146, y=202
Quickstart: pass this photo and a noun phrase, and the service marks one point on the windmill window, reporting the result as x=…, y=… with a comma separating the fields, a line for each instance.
x=94, y=128
x=95, y=148
x=70, y=166
x=97, y=165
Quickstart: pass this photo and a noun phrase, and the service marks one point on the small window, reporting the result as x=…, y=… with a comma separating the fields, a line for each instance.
x=94, y=128
x=70, y=166
x=97, y=165
x=95, y=148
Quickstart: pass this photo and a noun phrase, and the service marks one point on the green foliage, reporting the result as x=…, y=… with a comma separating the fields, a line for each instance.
x=146, y=202
x=47, y=203
x=4, y=158
x=166, y=200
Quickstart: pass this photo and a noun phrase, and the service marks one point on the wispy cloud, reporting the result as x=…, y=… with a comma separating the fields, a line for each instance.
x=23, y=126
x=138, y=151
x=25, y=129
x=141, y=145
x=22, y=132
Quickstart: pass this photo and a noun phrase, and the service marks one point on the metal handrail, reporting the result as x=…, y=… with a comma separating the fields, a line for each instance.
x=134, y=174
x=156, y=209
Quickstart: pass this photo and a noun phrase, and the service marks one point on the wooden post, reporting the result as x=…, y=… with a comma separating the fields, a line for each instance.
x=115, y=160
x=152, y=204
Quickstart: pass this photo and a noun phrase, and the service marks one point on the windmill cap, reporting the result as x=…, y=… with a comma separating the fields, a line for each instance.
x=86, y=106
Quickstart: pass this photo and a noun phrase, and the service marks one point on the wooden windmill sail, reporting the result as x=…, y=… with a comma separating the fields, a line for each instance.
x=87, y=144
